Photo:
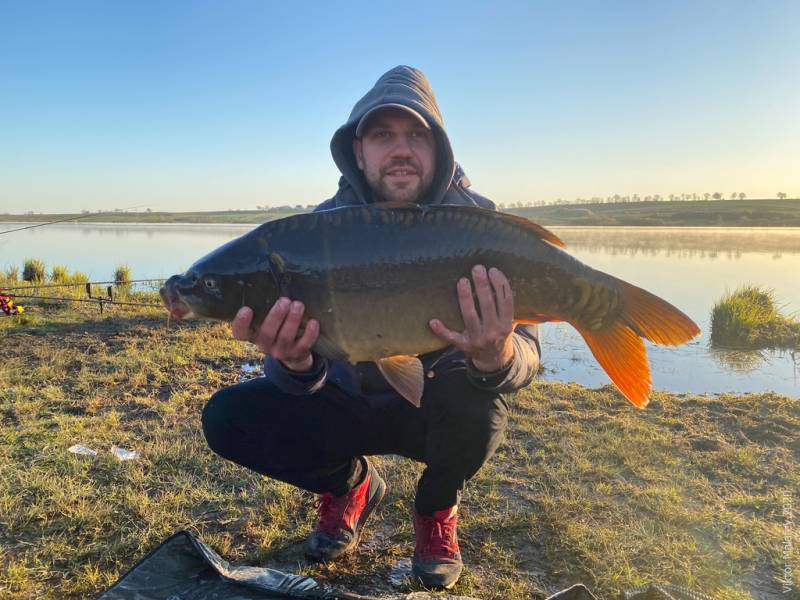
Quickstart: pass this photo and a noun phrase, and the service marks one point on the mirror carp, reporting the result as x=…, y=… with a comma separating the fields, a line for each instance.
x=374, y=276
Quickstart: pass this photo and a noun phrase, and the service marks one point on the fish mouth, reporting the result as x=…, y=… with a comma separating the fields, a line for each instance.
x=178, y=309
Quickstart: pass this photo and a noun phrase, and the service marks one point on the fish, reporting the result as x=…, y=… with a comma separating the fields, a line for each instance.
x=373, y=276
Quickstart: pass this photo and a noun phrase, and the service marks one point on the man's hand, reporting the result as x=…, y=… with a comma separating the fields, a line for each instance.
x=487, y=338
x=278, y=334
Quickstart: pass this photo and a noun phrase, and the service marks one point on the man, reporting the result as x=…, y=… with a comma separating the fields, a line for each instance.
x=311, y=422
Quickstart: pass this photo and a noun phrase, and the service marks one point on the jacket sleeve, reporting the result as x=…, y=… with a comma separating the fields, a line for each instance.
x=297, y=383
x=517, y=374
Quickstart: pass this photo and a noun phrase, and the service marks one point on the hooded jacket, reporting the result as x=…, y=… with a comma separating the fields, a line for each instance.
x=450, y=185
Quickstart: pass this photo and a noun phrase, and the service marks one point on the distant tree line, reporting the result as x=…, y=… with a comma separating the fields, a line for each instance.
x=615, y=199
x=620, y=199
x=287, y=208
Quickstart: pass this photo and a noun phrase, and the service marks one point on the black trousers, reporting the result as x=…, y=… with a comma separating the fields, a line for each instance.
x=315, y=441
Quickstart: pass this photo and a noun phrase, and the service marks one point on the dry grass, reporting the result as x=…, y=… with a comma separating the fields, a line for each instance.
x=584, y=488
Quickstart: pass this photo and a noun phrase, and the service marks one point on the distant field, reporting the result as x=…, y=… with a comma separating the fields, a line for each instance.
x=713, y=213
x=221, y=216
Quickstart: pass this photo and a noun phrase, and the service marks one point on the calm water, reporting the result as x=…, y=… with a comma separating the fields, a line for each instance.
x=691, y=268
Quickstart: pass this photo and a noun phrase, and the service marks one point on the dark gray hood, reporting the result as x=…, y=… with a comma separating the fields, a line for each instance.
x=402, y=85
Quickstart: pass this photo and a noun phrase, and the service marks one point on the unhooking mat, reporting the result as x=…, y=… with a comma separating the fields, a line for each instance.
x=184, y=568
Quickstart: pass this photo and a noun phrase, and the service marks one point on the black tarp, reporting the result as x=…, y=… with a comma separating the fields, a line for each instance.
x=184, y=568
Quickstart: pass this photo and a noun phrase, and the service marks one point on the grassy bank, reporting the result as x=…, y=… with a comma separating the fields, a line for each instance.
x=750, y=318
x=217, y=216
x=714, y=213
x=584, y=488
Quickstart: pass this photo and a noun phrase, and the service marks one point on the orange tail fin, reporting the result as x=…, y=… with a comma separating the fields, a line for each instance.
x=619, y=348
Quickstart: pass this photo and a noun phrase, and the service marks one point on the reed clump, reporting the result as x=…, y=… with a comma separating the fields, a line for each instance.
x=11, y=274
x=59, y=274
x=122, y=275
x=751, y=318
x=33, y=270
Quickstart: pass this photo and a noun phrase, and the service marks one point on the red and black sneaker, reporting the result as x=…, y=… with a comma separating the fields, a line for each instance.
x=437, y=559
x=341, y=518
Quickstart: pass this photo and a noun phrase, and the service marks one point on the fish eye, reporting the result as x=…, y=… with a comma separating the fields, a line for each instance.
x=210, y=283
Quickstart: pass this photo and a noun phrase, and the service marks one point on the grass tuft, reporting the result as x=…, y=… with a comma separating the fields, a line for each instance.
x=79, y=277
x=59, y=274
x=11, y=274
x=750, y=318
x=33, y=270
x=122, y=275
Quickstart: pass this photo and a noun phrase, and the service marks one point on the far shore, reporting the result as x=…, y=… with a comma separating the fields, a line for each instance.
x=712, y=213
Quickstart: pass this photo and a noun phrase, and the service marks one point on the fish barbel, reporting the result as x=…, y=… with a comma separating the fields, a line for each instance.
x=374, y=276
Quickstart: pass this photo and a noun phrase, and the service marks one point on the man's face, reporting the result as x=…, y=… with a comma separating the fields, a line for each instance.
x=397, y=154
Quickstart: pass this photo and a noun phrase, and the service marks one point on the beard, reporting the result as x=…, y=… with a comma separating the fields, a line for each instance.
x=384, y=190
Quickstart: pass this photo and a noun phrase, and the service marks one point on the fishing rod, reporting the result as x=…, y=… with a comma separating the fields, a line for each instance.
x=83, y=283
x=84, y=216
x=8, y=294
x=94, y=300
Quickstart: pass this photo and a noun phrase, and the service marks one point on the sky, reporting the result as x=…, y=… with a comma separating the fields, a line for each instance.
x=202, y=105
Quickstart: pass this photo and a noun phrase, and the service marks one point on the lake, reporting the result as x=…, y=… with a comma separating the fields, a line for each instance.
x=690, y=267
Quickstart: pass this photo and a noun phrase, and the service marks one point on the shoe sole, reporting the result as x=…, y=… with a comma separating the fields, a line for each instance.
x=371, y=505
x=369, y=508
x=434, y=585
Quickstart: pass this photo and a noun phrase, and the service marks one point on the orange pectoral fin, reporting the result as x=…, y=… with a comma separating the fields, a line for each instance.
x=621, y=353
x=406, y=375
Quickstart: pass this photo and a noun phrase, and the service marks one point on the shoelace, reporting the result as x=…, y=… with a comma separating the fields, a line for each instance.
x=330, y=512
x=441, y=535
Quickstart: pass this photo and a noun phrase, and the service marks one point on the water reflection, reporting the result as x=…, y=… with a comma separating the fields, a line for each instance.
x=741, y=361
x=682, y=242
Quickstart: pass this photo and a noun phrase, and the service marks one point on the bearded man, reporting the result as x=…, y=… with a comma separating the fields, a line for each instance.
x=312, y=422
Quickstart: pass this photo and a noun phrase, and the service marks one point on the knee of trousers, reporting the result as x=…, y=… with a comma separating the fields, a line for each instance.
x=216, y=420
x=482, y=414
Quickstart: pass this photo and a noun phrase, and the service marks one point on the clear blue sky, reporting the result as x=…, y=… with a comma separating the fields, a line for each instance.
x=232, y=104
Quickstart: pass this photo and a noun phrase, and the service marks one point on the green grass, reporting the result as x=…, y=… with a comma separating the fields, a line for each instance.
x=750, y=318
x=584, y=488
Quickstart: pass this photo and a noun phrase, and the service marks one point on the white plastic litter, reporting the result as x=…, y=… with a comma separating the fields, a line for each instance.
x=123, y=454
x=79, y=449
x=250, y=370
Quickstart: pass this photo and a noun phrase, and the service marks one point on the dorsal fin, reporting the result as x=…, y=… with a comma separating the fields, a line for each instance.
x=537, y=230
x=525, y=223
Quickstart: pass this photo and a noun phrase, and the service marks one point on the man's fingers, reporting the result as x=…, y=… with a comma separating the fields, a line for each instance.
x=505, y=298
x=240, y=326
x=483, y=290
x=451, y=337
x=288, y=333
x=272, y=322
x=310, y=335
x=468, y=311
